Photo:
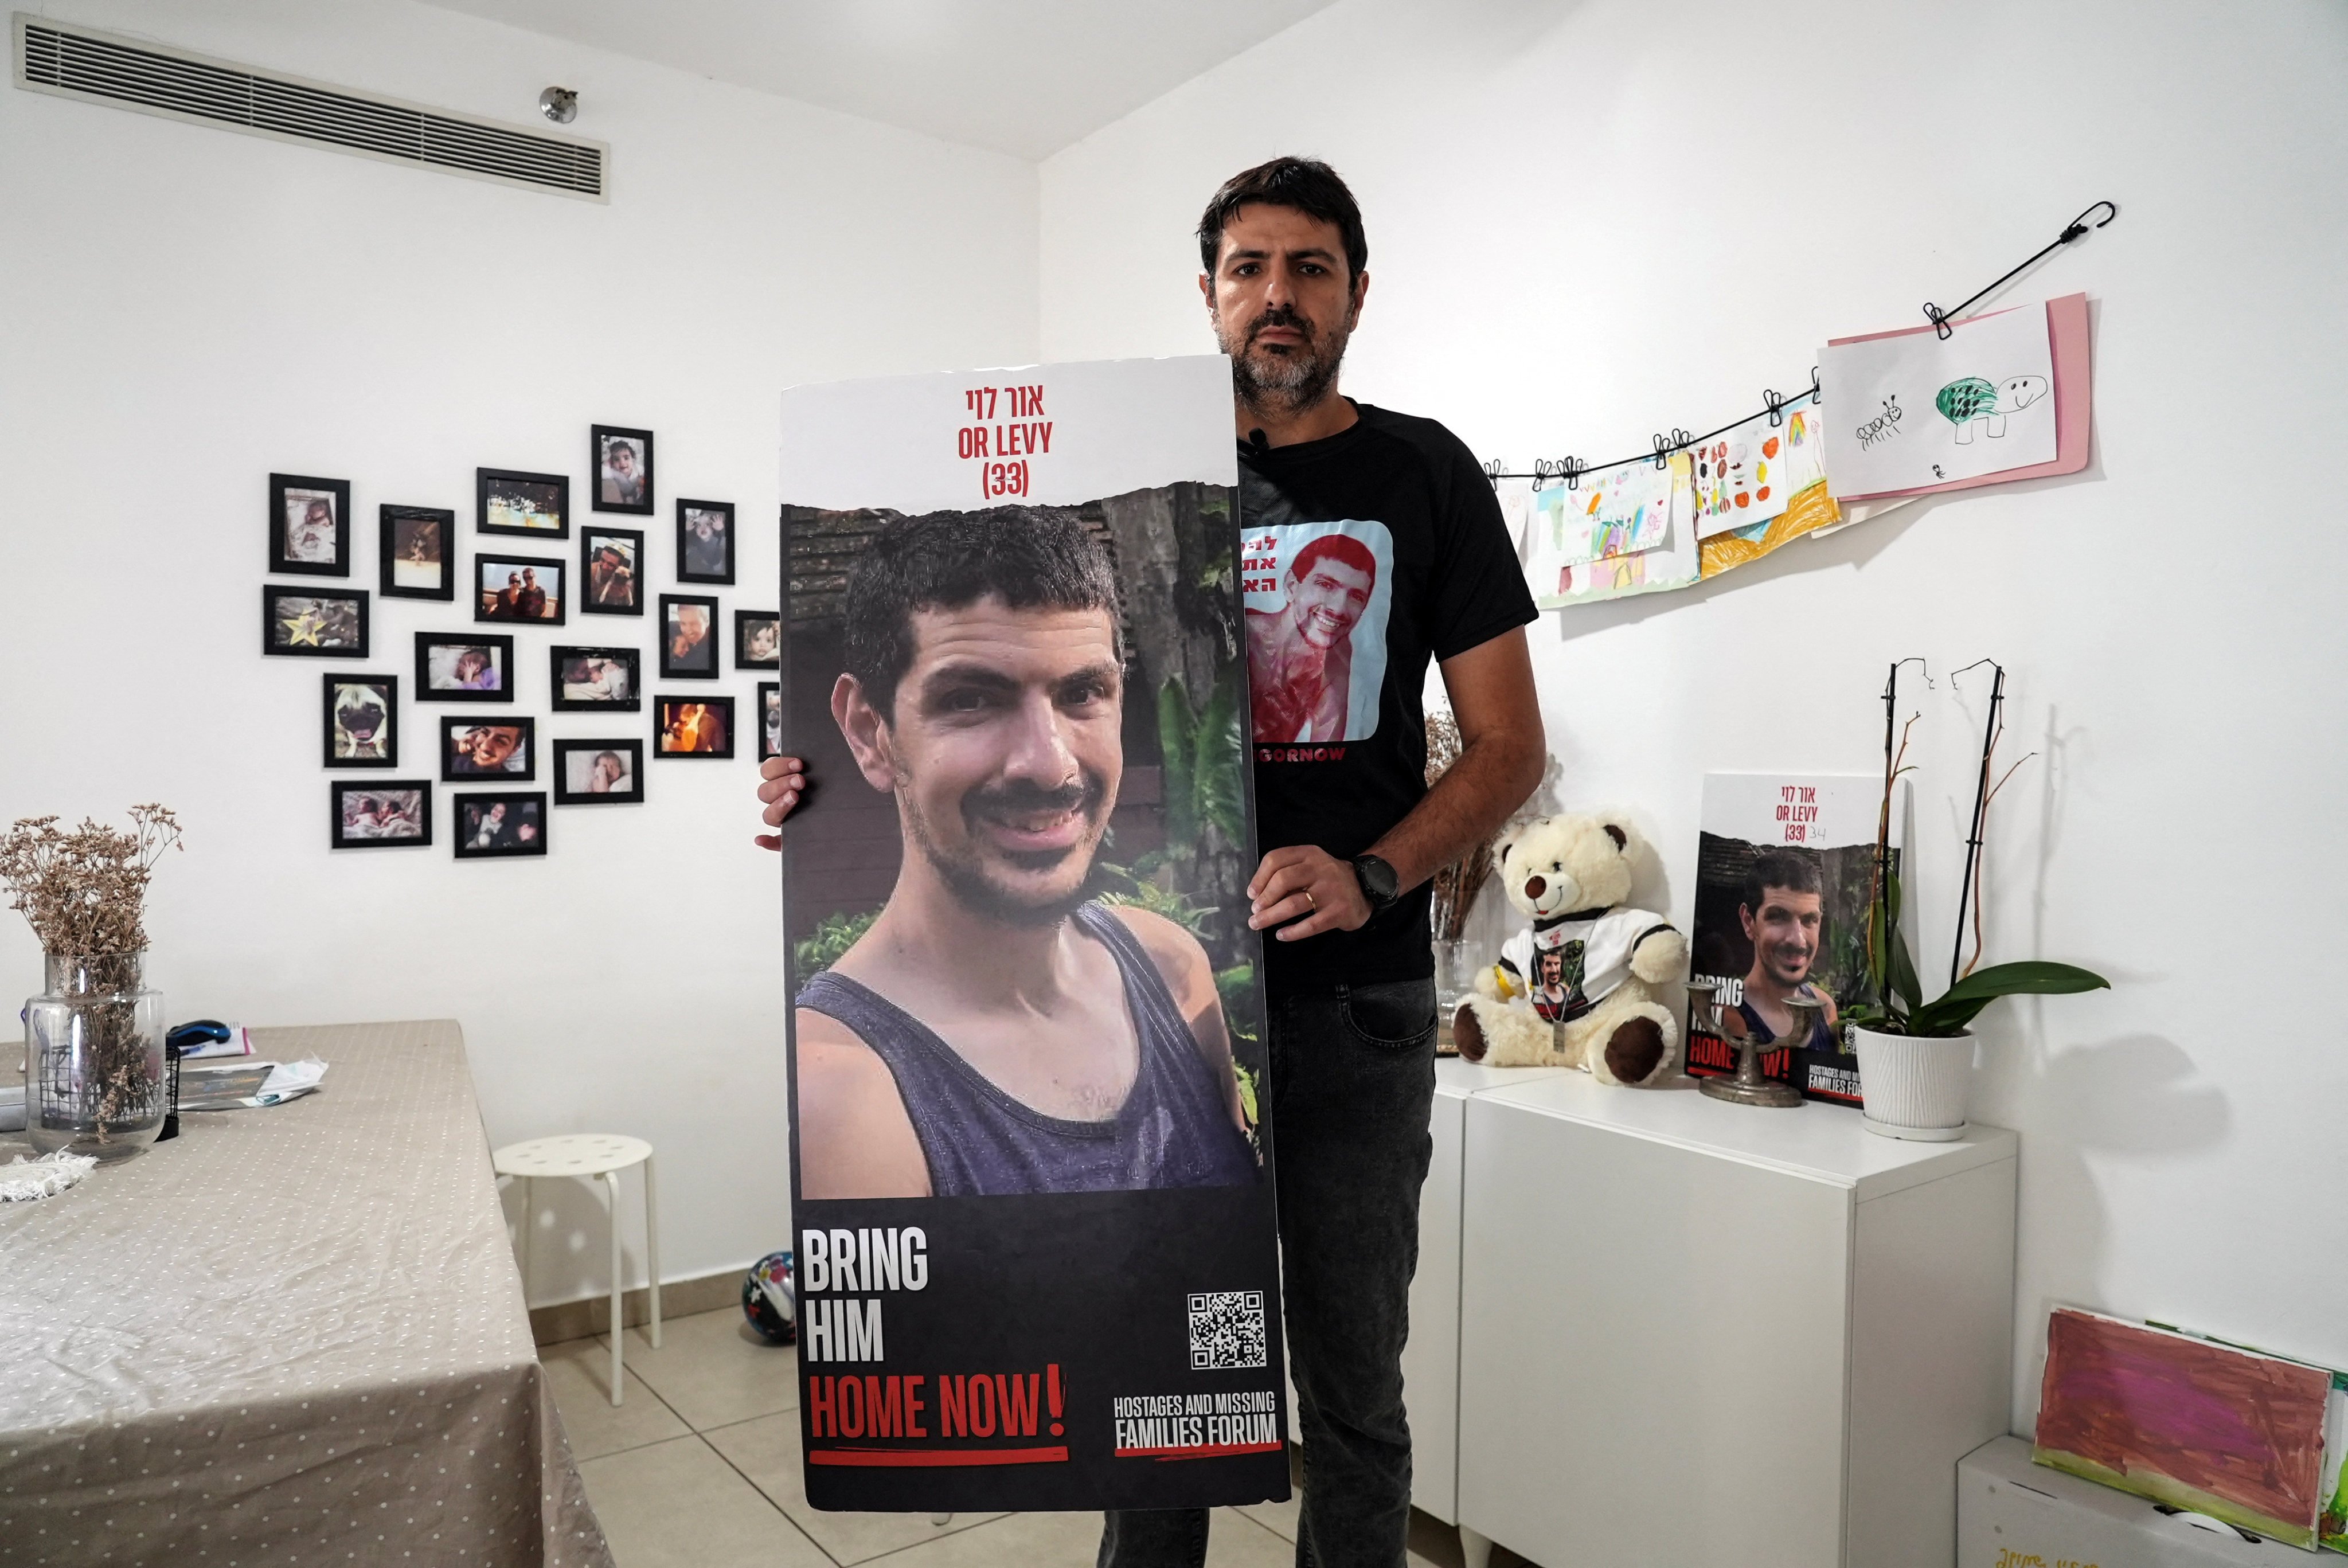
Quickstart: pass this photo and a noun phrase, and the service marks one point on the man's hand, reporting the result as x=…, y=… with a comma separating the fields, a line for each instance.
x=1304, y=880
x=780, y=782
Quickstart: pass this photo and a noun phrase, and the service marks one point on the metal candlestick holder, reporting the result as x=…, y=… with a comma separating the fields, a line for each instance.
x=1747, y=1087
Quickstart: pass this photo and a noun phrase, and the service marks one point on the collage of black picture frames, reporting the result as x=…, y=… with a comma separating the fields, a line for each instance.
x=522, y=574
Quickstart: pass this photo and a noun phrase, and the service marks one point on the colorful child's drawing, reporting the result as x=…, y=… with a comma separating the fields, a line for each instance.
x=1740, y=478
x=2185, y=1421
x=1912, y=410
x=1673, y=564
x=1621, y=510
x=1810, y=509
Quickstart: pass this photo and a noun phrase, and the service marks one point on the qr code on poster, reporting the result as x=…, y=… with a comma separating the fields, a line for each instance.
x=1227, y=1330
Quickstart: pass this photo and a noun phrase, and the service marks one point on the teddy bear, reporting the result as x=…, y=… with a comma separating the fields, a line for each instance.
x=1576, y=988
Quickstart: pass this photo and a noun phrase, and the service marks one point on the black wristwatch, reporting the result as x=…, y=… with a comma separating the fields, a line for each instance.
x=1379, y=884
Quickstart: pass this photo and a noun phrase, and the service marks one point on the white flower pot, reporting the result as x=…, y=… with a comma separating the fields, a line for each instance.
x=1912, y=1087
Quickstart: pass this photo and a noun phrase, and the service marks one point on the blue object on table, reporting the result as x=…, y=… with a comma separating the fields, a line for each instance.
x=196, y=1032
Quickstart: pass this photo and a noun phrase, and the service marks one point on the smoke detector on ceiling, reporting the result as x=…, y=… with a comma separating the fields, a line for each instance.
x=560, y=105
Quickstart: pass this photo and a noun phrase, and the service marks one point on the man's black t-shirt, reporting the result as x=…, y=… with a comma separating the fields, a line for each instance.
x=1363, y=555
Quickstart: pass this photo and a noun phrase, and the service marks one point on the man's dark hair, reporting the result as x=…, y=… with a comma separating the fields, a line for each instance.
x=1030, y=557
x=1306, y=185
x=1787, y=869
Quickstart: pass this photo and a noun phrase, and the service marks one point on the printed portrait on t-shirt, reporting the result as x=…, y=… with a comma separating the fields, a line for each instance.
x=1317, y=594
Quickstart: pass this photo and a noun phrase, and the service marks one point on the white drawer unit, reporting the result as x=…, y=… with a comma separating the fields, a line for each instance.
x=1430, y=1362
x=1695, y=1333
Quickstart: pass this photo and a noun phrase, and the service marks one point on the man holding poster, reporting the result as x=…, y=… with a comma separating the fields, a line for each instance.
x=1369, y=544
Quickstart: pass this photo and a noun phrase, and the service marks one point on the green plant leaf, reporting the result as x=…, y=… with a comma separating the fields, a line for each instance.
x=1181, y=778
x=1963, y=1002
x=1217, y=757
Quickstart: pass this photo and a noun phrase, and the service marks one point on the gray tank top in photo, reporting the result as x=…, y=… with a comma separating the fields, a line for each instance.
x=1173, y=1130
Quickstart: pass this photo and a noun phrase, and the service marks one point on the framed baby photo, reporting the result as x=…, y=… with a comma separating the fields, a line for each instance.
x=598, y=772
x=502, y=749
x=451, y=667
x=418, y=561
x=688, y=636
x=499, y=824
x=387, y=813
x=770, y=719
x=519, y=588
x=309, y=526
x=693, y=726
x=611, y=571
x=362, y=721
x=597, y=680
x=531, y=506
x=623, y=461
x=757, y=640
x=705, y=542
x=313, y=622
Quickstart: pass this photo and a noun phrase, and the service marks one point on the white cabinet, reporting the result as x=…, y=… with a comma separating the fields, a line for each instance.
x=1430, y=1362
x=1695, y=1332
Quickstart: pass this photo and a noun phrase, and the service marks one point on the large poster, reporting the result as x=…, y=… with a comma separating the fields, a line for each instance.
x=1037, y=1256
x=1785, y=871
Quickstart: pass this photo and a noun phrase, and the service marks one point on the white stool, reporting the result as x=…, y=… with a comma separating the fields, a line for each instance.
x=604, y=1154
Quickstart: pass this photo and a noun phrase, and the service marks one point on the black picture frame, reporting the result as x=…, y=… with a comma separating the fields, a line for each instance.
x=694, y=560
x=310, y=631
x=286, y=491
x=565, y=701
x=664, y=716
x=501, y=495
x=598, y=440
x=396, y=524
x=500, y=650
x=770, y=719
x=745, y=621
x=558, y=772
x=347, y=749
x=449, y=726
x=702, y=665
x=594, y=593
x=542, y=569
x=338, y=815
x=468, y=811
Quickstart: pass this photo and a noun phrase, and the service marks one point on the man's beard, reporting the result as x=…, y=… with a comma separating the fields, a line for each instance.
x=1285, y=383
x=965, y=875
x=1787, y=966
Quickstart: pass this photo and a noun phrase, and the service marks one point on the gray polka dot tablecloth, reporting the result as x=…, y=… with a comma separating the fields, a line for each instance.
x=291, y=1335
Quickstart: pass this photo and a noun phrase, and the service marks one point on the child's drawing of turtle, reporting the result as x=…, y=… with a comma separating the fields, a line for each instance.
x=1973, y=401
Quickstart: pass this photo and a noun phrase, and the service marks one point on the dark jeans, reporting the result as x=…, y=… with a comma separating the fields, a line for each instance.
x=1353, y=1081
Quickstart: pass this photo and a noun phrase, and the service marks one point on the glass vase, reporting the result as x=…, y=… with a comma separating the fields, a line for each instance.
x=1455, y=982
x=93, y=1079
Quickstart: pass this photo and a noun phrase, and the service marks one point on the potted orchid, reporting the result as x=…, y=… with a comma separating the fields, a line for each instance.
x=1915, y=1055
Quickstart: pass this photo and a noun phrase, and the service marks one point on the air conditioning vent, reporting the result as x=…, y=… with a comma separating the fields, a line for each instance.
x=72, y=62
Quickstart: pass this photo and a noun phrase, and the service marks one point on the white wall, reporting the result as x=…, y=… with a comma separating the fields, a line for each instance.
x=190, y=309
x=1591, y=220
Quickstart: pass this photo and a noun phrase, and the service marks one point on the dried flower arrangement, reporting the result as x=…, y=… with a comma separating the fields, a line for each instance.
x=1456, y=884
x=84, y=892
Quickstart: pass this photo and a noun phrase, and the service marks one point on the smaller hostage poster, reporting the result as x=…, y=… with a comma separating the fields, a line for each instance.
x=1785, y=871
x=1032, y=1199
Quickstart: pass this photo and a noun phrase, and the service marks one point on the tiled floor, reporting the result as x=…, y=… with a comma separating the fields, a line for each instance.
x=699, y=1465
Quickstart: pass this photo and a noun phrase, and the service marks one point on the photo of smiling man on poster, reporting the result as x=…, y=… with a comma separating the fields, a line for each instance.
x=998, y=1028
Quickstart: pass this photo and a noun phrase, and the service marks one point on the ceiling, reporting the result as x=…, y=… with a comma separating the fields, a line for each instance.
x=1022, y=77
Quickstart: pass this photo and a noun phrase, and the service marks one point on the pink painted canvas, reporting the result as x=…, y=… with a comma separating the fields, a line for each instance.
x=2188, y=1422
